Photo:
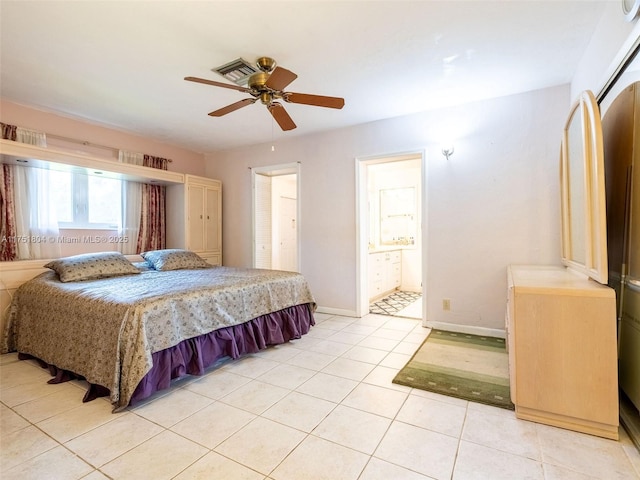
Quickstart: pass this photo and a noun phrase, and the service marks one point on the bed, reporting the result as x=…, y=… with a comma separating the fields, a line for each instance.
x=129, y=329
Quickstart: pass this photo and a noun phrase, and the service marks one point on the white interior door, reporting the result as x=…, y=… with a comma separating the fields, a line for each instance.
x=276, y=220
x=196, y=218
x=262, y=221
x=288, y=227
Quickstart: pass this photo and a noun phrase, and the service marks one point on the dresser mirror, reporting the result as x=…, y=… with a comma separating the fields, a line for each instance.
x=584, y=231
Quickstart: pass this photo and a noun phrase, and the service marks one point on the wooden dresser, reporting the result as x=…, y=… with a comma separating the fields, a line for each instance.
x=561, y=337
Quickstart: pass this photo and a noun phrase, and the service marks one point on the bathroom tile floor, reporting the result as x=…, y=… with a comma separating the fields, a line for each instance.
x=398, y=303
x=322, y=407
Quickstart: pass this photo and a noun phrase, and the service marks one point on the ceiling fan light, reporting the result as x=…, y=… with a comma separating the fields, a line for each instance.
x=266, y=84
x=266, y=98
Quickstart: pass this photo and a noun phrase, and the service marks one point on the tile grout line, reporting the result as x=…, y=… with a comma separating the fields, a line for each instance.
x=310, y=433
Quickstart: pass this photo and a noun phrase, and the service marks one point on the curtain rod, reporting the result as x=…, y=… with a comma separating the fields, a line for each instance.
x=87, y=144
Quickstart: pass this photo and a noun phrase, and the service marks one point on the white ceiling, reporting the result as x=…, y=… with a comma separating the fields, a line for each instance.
x=121, y=63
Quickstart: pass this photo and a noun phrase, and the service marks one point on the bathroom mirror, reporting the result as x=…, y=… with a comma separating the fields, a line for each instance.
x=398, y=219
x=584, y=230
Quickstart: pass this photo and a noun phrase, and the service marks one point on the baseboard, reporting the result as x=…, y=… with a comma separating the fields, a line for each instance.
x=570, y=423
x=470, y=329
x=411, y=288
x=336, y=311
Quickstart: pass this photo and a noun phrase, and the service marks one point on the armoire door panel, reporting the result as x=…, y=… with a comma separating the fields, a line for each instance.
x=212, y=231
x=196, y=218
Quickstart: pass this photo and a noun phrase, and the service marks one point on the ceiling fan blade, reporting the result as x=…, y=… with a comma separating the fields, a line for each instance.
x=315, y=100
x=218, y=84
x=233, y=107
x=280, y=78
x=281, y=116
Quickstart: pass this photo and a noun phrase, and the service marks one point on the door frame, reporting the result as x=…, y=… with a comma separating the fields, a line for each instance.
x=362, y=225
x=274, y=171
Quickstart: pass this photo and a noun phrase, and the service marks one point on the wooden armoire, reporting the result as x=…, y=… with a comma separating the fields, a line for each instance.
x=621, y=135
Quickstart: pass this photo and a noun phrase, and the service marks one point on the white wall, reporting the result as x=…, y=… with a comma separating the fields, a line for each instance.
x=183, y=161
x=609, y=43
x=494, y=203
x=609, y=47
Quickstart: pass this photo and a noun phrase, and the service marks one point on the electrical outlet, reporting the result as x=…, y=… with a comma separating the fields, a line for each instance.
x=446, y=304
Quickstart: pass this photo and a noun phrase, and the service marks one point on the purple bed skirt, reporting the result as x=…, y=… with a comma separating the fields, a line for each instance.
x=194, y=355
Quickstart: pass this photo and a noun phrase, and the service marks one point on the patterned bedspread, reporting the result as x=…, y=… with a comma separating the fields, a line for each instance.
x=106, y=330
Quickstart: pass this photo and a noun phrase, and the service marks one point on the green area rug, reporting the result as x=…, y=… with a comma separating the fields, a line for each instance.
x=471, y=367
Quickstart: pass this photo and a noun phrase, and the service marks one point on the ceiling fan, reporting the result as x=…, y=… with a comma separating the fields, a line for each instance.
x=267, y=85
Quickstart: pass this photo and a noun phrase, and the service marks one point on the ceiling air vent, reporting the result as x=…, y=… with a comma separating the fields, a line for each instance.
x=238, y=71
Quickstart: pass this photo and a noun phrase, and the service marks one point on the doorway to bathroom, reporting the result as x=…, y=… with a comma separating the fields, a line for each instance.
x=391, y=202
x=276, y=217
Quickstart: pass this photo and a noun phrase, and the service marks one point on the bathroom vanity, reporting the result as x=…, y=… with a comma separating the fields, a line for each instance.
x=385, y=272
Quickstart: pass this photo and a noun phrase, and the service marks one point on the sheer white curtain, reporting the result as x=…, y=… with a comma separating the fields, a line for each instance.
x=36, y=221
x=131, y=205
x=31, y=137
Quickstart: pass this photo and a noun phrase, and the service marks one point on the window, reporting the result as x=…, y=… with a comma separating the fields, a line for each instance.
x=87, y=201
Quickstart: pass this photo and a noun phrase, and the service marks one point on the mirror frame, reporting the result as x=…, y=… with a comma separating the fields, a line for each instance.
x=594, y=231
x=410, y=215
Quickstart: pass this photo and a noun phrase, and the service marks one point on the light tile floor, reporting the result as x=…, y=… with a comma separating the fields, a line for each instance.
x=413, y=310
x=322, y=407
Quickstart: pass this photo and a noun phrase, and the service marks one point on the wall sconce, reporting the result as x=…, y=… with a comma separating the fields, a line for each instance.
x=447, y=150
